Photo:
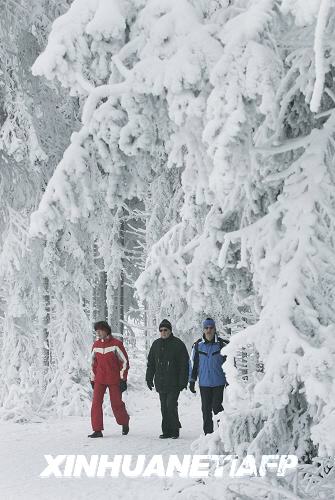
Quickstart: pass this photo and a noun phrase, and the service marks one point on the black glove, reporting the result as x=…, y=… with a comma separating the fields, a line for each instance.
x=92, y=384
x=150, y=385
x=192, y=387
x=123, y=385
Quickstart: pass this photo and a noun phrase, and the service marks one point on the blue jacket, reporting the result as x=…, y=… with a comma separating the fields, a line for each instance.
x=206, y=362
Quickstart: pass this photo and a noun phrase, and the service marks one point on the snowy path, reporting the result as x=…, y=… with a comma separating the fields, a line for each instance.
x=23, y=447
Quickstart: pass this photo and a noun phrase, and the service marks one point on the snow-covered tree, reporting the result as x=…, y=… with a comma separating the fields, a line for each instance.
x=35, y=123
x=218, y=118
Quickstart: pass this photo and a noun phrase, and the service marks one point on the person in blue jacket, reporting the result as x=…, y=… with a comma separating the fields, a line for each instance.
x=206, y=365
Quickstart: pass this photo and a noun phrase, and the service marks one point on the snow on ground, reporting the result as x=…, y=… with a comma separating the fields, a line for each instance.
x=23, y=447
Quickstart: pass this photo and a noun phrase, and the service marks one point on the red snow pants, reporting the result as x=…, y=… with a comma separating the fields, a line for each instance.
x=118, y=406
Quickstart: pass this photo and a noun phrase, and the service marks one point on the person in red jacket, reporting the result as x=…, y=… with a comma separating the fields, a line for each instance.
x=110, y=366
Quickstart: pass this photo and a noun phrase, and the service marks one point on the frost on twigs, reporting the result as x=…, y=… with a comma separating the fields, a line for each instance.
x=204, y=113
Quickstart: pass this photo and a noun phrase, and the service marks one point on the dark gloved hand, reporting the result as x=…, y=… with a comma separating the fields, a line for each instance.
x=123, y=385
x=192, y=387
x=150, y=385
x=92, y=384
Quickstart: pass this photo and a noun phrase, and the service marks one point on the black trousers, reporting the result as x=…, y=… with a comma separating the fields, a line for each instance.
x=211, y=401
x=169, y=410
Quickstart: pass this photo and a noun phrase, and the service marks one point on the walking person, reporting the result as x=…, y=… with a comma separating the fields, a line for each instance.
x=109, y=369
x=167, y=370
x=206, y=365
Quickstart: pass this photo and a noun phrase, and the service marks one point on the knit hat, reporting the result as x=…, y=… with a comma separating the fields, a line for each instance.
x=165, y=324
x=208, y=322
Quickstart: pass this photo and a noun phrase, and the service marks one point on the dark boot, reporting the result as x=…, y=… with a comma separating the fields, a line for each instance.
x=164, y=436
x=175, y=434
x=125, y=429
x=96, y=434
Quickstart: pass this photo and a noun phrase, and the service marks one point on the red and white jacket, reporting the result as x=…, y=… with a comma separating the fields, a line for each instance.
x=110, y=362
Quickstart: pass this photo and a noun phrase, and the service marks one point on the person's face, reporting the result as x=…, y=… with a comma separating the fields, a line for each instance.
x=165, y=332
x=209, y=332
x=102, y=334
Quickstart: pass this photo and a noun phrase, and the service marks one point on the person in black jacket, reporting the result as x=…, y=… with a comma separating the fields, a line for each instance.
x=167, y=369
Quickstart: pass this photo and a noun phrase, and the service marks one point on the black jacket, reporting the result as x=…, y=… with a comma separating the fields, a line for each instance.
x=168, y=364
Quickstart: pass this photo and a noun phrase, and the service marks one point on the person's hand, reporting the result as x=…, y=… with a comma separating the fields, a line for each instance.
x=92, y=384
x=150, y=385
x=192, y=387
x=123, y=385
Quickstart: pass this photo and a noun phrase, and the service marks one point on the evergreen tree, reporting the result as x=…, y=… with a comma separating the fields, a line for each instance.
x=217, y=117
